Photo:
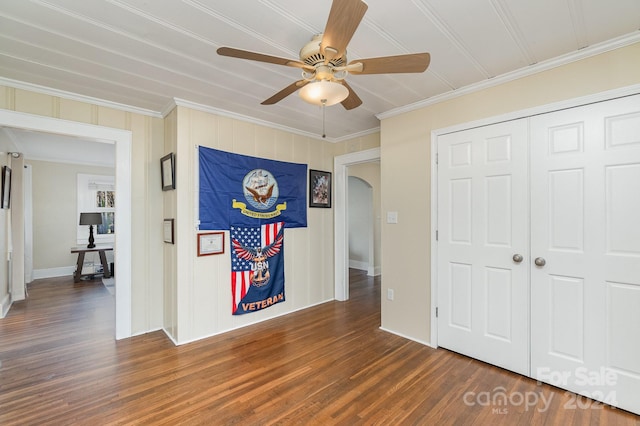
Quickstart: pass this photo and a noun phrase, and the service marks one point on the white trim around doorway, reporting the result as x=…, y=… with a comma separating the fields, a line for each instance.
x=122, y=140
x=341, y=164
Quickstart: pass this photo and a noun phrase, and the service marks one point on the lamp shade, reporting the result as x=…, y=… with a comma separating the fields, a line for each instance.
x=323, y=90
x=90, y=218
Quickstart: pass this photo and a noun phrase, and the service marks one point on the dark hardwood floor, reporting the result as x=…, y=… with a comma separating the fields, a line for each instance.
x=330, y=364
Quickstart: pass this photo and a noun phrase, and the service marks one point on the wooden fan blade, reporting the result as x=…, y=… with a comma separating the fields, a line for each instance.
x=245, y=54
x=414, y=62
x=344, y=18
x=352, y=100
x=284, y=92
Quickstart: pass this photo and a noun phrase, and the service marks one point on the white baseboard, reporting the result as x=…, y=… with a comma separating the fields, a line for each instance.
x=357, y=264
x=6, y=305
x=374, y=271
x=364, y=266
x=53, y=272
x=175, y=343
x=422, y=342
x=179, y=343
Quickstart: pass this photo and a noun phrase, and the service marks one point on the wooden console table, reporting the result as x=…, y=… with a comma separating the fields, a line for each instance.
x=103, y=259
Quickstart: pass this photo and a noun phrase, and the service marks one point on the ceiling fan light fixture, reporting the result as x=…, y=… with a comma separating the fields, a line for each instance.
x=323, y=60
x=324, y=92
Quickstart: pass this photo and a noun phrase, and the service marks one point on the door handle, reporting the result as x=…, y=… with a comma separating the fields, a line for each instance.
x=539, y=261
x=517, y=258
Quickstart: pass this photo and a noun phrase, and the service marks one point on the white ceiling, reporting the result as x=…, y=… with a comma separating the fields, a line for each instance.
x=57, y=148
x=148, y=55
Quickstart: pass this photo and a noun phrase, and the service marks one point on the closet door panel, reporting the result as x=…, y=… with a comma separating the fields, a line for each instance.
x=585, y=295
x=482, y=223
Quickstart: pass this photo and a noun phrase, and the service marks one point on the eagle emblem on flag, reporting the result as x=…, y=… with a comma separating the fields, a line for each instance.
x=260, y=189
x=239, y=190
x=257, y=266
x=258, y=256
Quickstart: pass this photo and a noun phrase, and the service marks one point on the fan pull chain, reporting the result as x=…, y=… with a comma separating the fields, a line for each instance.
x=324, y=107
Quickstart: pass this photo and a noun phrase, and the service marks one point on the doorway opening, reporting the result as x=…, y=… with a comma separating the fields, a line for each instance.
x=341, y=218
x=122, y=140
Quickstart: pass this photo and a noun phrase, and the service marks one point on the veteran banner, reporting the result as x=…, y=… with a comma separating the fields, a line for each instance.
x=257, y=266
x=242, y=190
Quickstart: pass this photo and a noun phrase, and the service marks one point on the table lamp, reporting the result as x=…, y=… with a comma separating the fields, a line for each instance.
x=90, y=219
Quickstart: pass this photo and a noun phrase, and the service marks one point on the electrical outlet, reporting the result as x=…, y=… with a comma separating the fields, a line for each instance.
x=389, y=294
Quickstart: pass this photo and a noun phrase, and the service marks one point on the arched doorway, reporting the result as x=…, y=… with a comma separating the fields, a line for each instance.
x=341, y=224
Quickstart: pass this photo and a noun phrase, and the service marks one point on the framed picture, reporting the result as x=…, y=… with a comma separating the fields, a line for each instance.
x=106, y=199
x=6, y=187
x=168, y=169
x=168, y=231
x=319, y=189
x=210, y=243
x=108, y=224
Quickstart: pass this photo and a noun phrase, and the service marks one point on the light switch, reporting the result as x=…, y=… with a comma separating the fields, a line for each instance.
x=392, y=217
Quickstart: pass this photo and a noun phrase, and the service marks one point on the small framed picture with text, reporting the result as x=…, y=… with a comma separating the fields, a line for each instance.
x=210, y=243
x=168, y=170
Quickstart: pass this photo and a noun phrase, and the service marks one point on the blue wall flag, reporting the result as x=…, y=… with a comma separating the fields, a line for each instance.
x=257, y=267
x=241, y=190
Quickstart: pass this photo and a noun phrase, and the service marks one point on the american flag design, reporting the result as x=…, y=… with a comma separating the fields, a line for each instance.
x=248, y=243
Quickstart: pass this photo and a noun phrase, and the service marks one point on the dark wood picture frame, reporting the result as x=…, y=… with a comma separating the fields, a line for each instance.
x=168, y=171
x=319, y=189
x=210, y=243
x=168, y=231
x=6, y=187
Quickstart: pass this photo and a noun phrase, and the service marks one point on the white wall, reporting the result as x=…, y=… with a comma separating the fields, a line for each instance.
x=55, y=217
x=6, y=145
x=360, y=212
x=5, y=296
x=370, y=173
x=18, y=287
x=198, y=289
x=9, y=291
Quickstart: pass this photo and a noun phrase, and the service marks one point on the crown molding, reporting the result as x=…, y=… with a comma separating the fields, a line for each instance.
x=357, y=135
x=593, y=98
x=76, y=97
x=240, y=117
x=217, y=111
x=515, y=75
x=168, y=108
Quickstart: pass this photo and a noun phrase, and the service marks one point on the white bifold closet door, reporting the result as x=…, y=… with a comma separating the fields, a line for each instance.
x=483, y=223
x=567, y=312
x=585, y=224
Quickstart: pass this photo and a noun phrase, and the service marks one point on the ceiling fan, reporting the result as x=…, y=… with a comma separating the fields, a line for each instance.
x=323, y=60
